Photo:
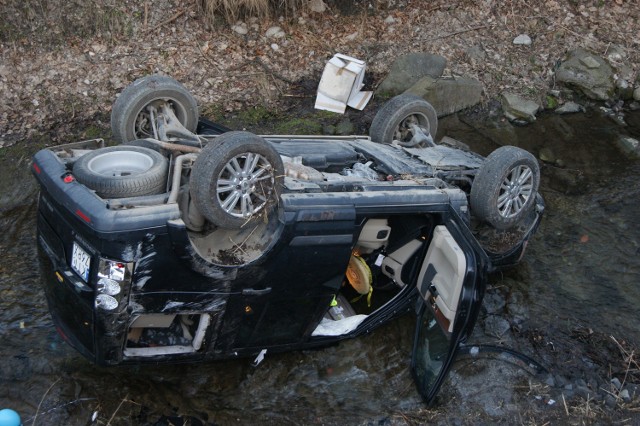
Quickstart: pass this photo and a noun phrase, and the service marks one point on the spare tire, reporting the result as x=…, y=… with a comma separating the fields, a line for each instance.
x=505, y=187
x=130, y=116
x=123, y=171
x=236, y=178
x=393, y=121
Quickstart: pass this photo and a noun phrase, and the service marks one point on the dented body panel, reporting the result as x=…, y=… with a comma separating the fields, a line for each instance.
x=190, y=295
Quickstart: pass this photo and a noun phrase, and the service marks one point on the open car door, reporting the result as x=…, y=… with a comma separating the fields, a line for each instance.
x=451, y=284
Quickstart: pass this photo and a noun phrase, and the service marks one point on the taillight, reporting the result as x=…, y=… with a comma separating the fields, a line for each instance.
x=114, y=278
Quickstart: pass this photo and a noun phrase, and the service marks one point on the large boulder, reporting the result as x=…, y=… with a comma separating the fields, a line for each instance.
x=408, y=69
x=517, y=108
x=588, y=73
x=448, y=95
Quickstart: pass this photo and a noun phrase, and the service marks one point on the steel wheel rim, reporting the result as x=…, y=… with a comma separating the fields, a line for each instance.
x=120, y=163
x=515, y=191
x=142, y=127
x=245, y=185
x=404, y=133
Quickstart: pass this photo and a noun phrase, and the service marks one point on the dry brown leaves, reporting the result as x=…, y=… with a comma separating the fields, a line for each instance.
x=60, y=89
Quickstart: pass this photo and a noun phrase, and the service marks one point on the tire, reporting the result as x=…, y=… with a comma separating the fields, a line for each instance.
x=123, y=171
x=130, y=118
x=236, y=166
x=505, y=187
x=393, y=119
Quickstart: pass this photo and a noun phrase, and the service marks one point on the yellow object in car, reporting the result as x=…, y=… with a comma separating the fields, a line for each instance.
x=360, y=277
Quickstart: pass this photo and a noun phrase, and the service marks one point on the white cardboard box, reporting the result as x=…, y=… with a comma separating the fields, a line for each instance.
x=341, y=83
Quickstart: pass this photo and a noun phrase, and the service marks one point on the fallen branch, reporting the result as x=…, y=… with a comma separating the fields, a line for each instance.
x=265, y=67
x=41, y=400
x=170, y=20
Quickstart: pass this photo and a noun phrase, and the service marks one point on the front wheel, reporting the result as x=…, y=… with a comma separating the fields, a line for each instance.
x=236, y=179
x=505, y=188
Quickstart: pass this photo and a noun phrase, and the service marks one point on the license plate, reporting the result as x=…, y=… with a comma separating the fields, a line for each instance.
x=80, y=262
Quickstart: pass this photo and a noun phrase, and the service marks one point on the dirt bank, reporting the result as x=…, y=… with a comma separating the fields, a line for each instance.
x=62, y=64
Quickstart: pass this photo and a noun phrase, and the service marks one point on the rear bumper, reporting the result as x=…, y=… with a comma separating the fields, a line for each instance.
x=70, y=300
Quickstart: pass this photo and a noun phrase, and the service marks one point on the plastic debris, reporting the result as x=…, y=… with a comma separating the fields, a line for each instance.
x=341, y=83
x=8, y=417
x=259, y=358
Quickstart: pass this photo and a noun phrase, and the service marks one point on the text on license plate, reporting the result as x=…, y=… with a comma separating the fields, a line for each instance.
x=80, y=262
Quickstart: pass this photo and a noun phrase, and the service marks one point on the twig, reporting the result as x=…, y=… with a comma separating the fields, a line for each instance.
x=564, y=401
x=206, y=58
x=266, y=68
x=459, y=32
x=118, y=408
x=62, y=406
x=170, y=20
x=42, y=399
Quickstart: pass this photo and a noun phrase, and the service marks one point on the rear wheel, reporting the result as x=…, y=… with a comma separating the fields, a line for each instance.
x=236, y=179
x=135, y=110
x=505, y=188
x=396, y=118
x=122, y=171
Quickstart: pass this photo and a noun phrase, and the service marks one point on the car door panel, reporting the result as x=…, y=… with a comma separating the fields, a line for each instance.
x=451, y=285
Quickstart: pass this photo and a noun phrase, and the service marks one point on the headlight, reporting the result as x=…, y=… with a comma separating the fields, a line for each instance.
x=113, y=277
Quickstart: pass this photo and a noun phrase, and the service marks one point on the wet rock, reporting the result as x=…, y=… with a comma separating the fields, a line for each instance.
x=408, y=69
x=550, y=381
x=516, y=305
x=275, y=32
x=628, y=145
x=547, y=155
x=624, y=394
x=517, y=108
x=448, y=95
x=615, y=382
x=636, y=94
x=610, y=401
x=624, y=89
x=494, y=127
x=496, y=326
x=569, y=108
x=588, y=73
x=584, y=392
x=560, y=381
x=523, y=40
x=494, y=303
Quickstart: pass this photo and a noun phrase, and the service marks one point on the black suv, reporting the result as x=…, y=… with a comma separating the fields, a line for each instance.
x=188, y=242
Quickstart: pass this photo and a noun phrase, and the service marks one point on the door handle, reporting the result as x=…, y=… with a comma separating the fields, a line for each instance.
x=255, y=291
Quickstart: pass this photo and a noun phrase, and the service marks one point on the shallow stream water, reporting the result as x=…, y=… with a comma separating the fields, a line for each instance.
x=581, y=271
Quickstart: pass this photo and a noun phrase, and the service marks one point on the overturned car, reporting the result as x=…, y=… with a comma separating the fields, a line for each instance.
x=188, y=242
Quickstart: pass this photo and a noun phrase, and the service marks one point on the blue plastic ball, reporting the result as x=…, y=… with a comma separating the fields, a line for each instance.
x=8, y=417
